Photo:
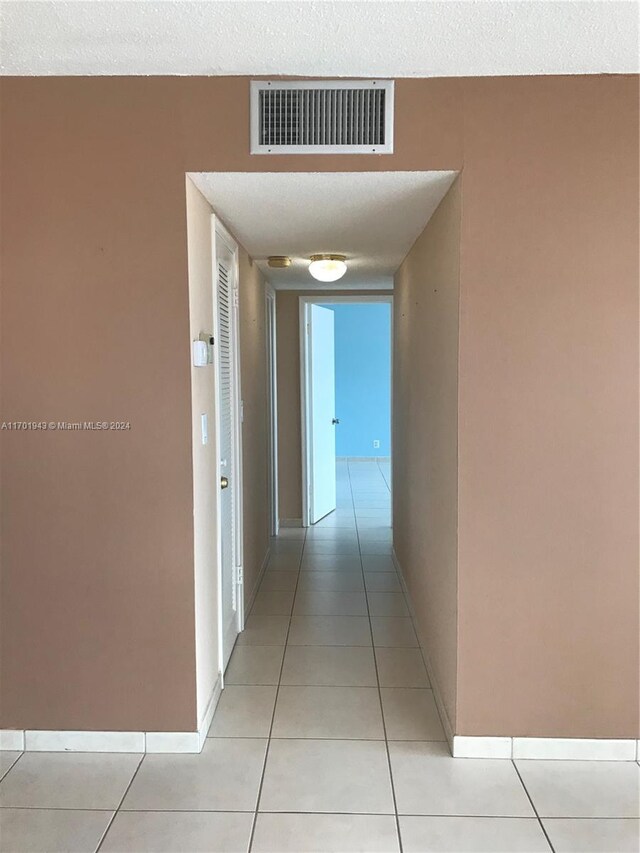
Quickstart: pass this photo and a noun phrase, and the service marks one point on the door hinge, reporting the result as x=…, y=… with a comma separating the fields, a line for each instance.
x=239, y=575
x=236, y=297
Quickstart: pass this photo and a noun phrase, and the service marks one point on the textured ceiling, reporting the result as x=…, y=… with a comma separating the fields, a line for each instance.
x=372, y=217
x=333, y=39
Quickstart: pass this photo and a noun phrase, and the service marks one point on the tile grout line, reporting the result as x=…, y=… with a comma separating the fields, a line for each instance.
x=270, y=737
x=253, y=813
x=323, y=737
x=275, y=703
x=375, y=663
x=9, y=769
x=535, y=810
x=119, y=806
x=299, y=811
x=383, y=474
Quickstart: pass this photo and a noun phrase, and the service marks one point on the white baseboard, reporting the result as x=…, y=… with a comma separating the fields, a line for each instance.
x=577, y=749
x=68, y=741
x=546, y=748
x=186, y=742
x=139, y=742
x=212, y=704
x=566, y=749
x=290, y=522
x=12, y=740
x=160, y=742
x=481, y=747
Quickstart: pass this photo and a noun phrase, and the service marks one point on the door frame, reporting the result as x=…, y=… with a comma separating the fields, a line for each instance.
x=272, y=404
x=305, y=303
x=220, y=234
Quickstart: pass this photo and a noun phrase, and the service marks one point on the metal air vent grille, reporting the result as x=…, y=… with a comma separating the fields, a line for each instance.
x=330, y=117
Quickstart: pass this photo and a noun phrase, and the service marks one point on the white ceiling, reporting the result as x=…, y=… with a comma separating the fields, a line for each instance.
x=371, y=217
x=424, y=38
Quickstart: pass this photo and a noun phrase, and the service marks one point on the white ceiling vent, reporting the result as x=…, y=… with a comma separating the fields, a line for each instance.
x=322, y=117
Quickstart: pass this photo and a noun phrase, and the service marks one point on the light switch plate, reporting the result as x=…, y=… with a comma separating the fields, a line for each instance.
x=200, y=353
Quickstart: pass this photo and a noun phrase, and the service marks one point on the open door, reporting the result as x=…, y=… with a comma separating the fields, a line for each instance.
x=321, y=412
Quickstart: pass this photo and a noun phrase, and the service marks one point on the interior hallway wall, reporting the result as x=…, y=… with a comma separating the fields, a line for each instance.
x=102, y=523
x=289, y=404
x=363, y=378
x=253, y=382
x=548, y=417
x=254, y=444
x=255, y=434
x=425, y=437
x=205, y=490
x=289, y=422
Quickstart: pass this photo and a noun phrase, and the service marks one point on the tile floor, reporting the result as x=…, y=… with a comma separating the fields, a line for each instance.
x=326, y=738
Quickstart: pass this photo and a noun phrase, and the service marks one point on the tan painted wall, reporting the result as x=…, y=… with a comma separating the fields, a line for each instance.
x=94, y=267
x=205, y=489
x=255, y=446
x=98, y=582
x=548, y=515
x=289, y=405
x=425, y=437
x=289, y=436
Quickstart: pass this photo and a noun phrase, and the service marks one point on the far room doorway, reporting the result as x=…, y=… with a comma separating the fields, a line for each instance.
x=346, y=345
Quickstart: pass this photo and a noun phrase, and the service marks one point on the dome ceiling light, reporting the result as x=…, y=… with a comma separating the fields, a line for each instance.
x=279, y=261
x=327, y=267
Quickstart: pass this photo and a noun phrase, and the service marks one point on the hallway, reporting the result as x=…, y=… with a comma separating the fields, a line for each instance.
x=326, y=738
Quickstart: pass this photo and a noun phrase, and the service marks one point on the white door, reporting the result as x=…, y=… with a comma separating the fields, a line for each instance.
x=229, y=506
x=322, y=413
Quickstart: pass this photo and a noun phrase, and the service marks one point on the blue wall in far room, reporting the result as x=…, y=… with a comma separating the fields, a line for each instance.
x=363, y=378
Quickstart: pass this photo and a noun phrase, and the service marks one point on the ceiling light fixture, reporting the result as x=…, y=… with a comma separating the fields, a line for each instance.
x=327, y=267
x=279, y=261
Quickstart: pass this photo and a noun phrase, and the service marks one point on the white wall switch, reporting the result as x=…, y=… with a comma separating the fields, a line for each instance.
x=200, y=354
x=205, y=428
x=376, y=443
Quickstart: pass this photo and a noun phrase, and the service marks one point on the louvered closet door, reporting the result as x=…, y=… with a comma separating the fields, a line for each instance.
x=227, y=411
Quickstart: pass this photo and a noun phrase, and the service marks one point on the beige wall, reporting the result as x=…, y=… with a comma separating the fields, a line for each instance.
x=289, y=437
x=289, y=404
x=205, y=488
x=94, y=269
x=548, y=500
x=425, y=437
x=255, y=446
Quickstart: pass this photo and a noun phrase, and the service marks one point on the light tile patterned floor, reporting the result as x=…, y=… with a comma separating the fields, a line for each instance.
x=326, y=739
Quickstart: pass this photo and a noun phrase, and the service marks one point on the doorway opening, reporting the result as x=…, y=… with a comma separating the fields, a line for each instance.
x=252, y=539
x=346, y=394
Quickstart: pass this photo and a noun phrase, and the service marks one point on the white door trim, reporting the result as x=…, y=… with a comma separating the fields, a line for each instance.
x=220, y=233
x=304, y=312
x=272, y=401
